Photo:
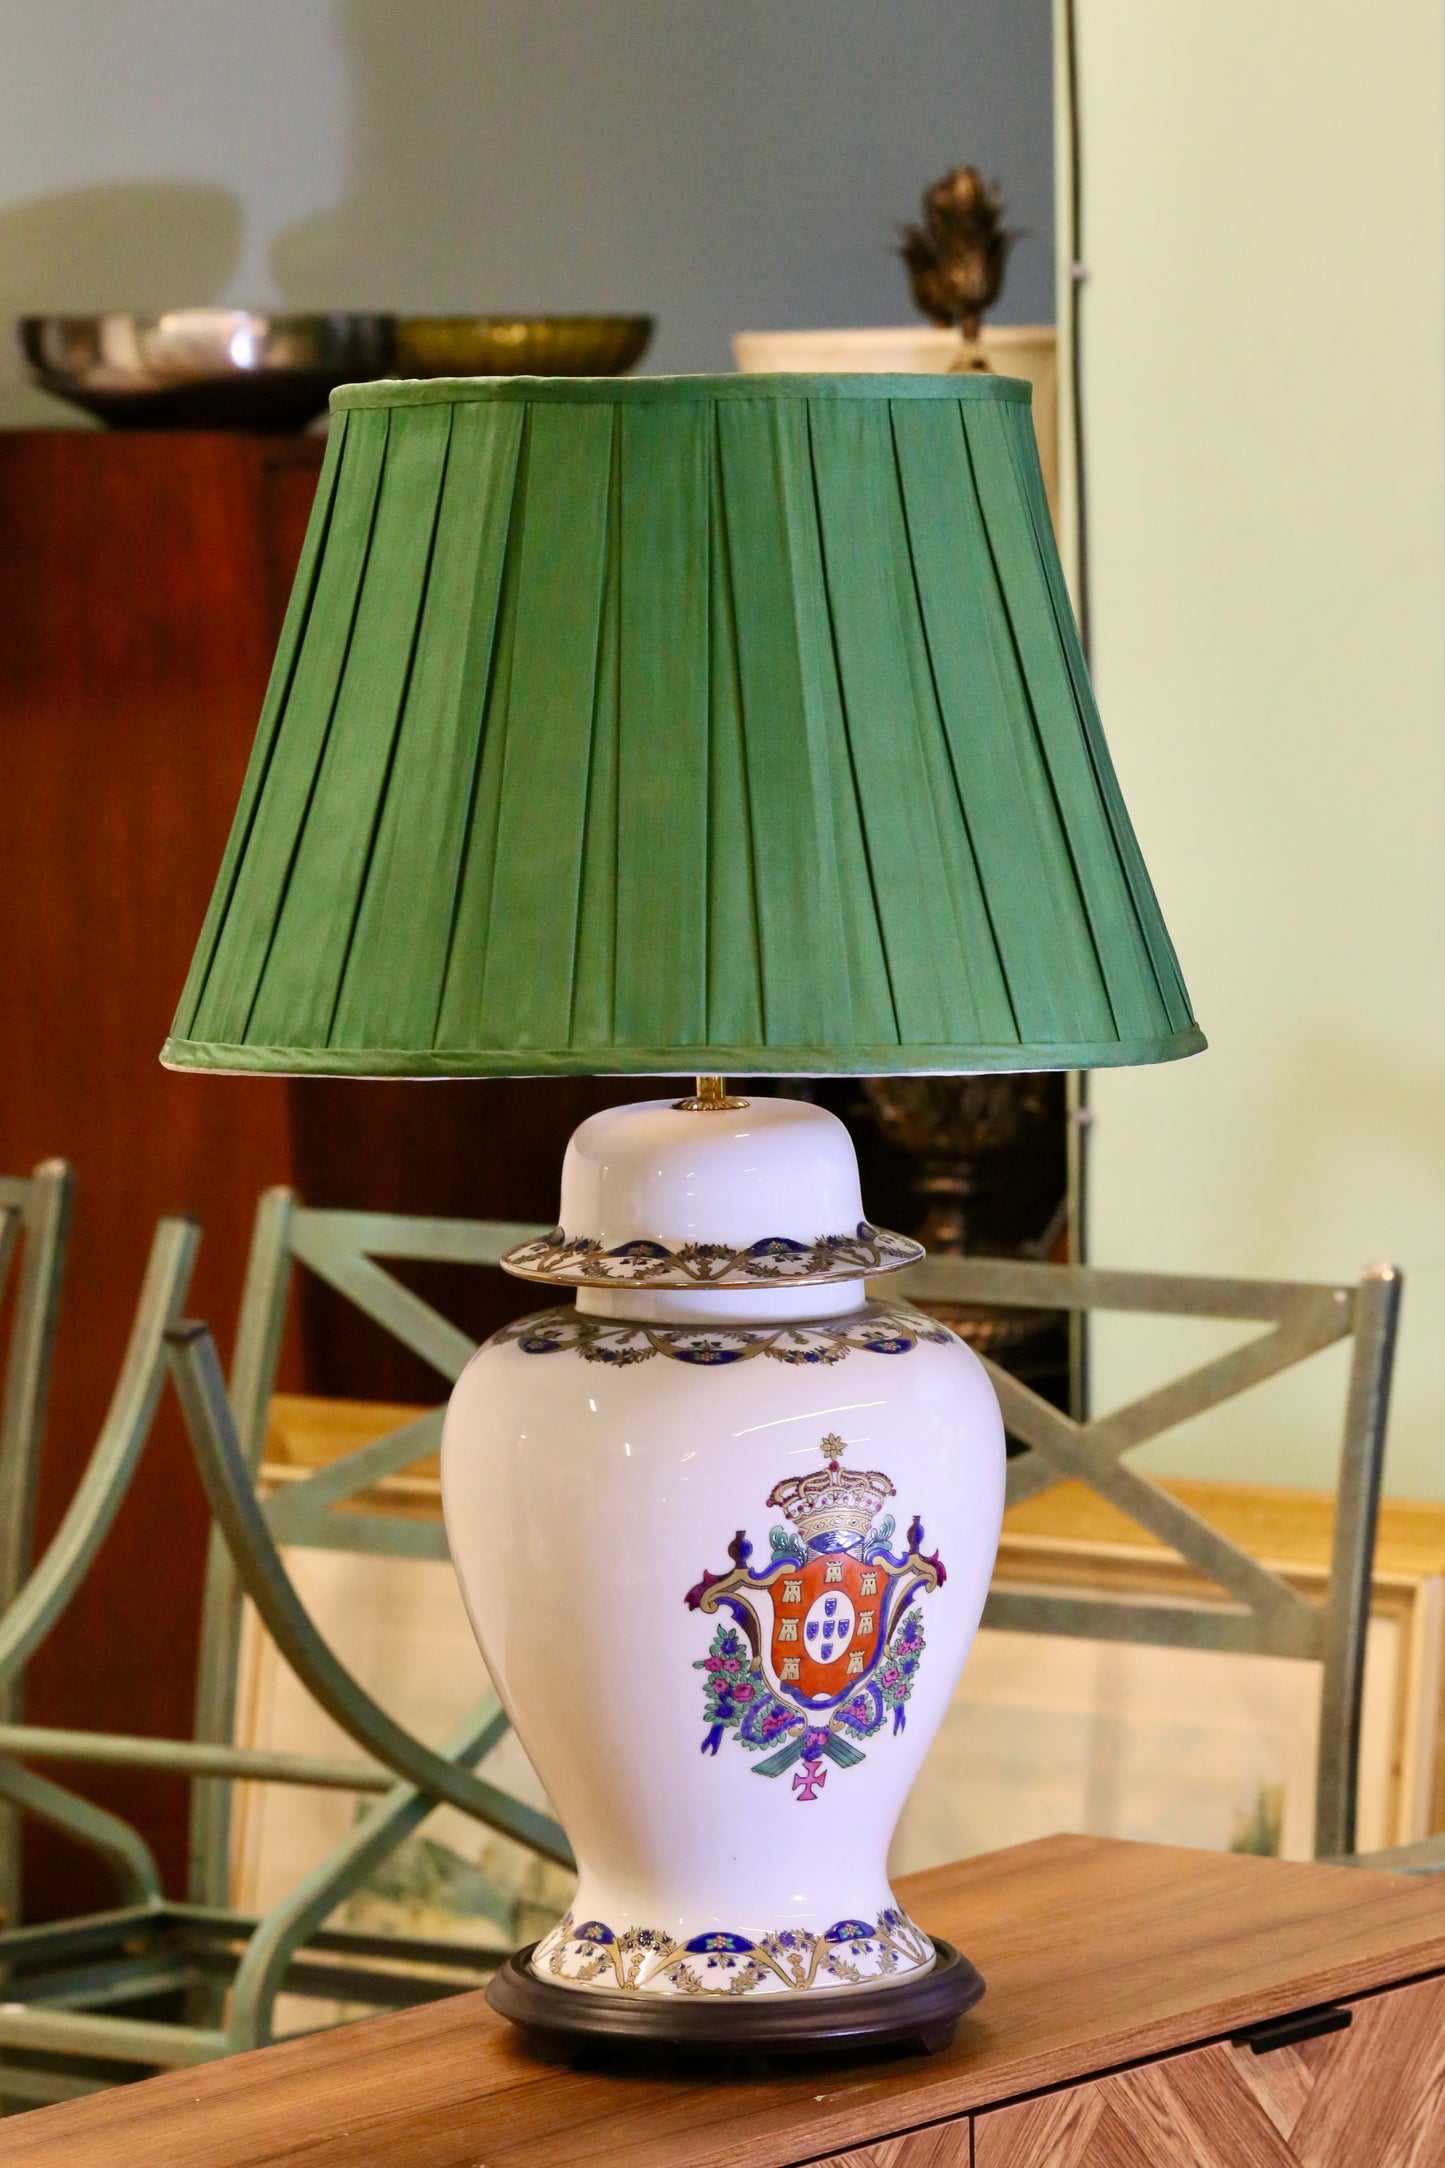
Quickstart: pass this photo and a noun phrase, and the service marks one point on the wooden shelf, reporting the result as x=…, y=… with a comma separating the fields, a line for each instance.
x=1288, y=1527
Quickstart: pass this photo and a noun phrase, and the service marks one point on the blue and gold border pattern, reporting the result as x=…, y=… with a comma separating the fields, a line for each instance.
x=775, y=1260
x=876, y=1329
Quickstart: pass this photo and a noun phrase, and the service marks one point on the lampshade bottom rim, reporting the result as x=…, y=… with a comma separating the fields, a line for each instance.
x=422, y=1063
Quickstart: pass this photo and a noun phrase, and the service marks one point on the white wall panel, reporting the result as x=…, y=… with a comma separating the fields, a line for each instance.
x=1264, y=347
x=727, y=167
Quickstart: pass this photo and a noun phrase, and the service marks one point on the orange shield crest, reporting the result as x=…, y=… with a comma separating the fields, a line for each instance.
x=828, y=1620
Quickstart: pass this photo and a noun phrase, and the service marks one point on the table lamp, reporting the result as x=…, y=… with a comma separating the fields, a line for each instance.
x=699, y=726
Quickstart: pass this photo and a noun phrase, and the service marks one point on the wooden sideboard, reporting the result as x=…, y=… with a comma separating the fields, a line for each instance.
x=1133, y=2020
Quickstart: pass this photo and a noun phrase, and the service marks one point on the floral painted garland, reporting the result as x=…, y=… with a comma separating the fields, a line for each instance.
x=642, y=1960
x=737, y=1699
x=581, y=1260
x=876, y=1329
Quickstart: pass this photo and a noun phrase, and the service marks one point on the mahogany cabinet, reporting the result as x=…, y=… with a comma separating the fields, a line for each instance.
x=143, y=578
x=1146, y=2008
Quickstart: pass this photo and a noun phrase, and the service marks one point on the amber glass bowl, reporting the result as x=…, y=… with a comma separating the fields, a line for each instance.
x=520, y=346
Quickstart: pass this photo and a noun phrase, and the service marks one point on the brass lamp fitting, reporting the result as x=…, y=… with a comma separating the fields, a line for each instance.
x=711, y=1097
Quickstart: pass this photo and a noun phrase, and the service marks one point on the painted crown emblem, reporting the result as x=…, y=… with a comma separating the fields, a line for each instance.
x=834, y=1500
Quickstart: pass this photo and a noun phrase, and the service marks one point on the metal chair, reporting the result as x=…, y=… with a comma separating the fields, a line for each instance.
x=90, y=2000
x=1259, y=1612
x=146, y=1986
x=35, y=1226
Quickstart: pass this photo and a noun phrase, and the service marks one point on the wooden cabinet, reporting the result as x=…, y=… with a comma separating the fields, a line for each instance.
x=1129, y=1987
x=143, y=579
x=1365, y=2093
x=942, y=2145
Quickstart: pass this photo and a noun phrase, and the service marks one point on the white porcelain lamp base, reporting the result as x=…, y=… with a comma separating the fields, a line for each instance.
x=725, y=1548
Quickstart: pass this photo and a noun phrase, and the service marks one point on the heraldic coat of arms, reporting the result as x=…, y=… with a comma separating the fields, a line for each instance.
x=827, y=1637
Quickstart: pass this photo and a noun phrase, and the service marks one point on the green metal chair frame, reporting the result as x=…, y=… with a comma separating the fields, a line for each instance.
x=35, y=1214
x=80, y=1998
x=1260, y=1613
x=342, y=1249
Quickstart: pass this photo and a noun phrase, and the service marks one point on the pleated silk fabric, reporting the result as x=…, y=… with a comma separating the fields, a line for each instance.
x=727, y=724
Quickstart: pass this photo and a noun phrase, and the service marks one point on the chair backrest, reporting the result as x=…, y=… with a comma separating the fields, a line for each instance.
x=341, y=1248
x=35, y=1226
x=1260, y=1613
x=35, y=1229
x=44, y=1592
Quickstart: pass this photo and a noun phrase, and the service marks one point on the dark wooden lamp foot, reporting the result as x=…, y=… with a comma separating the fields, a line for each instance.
x=920, y=2013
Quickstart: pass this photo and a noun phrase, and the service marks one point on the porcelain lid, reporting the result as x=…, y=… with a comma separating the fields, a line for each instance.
x=765, y=1193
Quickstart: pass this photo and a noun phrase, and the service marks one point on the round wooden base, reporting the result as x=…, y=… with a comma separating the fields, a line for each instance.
x=919, y=2012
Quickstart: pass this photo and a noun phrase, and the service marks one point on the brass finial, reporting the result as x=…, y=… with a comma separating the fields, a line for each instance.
x=956, y=258
x=711, y=1097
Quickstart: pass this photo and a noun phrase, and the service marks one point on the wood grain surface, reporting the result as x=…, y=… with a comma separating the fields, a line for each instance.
x=1285, y=1528
x=1369, y=2097
x=941, y=2145
x=142, y=579
x=1097, y=1954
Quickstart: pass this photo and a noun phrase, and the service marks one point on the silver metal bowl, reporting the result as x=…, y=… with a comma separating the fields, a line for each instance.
x=205, y=368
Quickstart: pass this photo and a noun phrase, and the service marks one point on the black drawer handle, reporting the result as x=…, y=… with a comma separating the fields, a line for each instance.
x=1286, y=2032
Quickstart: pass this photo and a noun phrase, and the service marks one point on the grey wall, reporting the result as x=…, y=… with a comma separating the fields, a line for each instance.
x=725, y=164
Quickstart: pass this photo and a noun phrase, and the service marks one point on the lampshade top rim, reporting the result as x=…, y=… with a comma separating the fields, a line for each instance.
x=674, y=390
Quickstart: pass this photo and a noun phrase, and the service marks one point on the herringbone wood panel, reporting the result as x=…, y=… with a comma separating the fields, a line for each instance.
x=1370, y=2097
x=944, y=2145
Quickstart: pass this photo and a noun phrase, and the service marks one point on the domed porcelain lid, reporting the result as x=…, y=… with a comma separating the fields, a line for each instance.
x=759, y=1193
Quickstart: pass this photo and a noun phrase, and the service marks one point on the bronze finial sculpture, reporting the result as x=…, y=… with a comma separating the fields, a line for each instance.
x=957, y=258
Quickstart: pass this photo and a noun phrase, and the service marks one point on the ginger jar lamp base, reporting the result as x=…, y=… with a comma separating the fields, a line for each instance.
x=724, y=1528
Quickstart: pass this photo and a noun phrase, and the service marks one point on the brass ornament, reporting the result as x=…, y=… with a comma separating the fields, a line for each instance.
x=957, y=257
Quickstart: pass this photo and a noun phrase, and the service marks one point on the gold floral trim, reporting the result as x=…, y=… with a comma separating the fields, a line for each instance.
x=876, y=1329
x=775, y=1260
x=644, y=1960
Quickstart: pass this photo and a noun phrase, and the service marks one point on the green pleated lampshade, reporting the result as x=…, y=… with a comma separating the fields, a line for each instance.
x=727, y=724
